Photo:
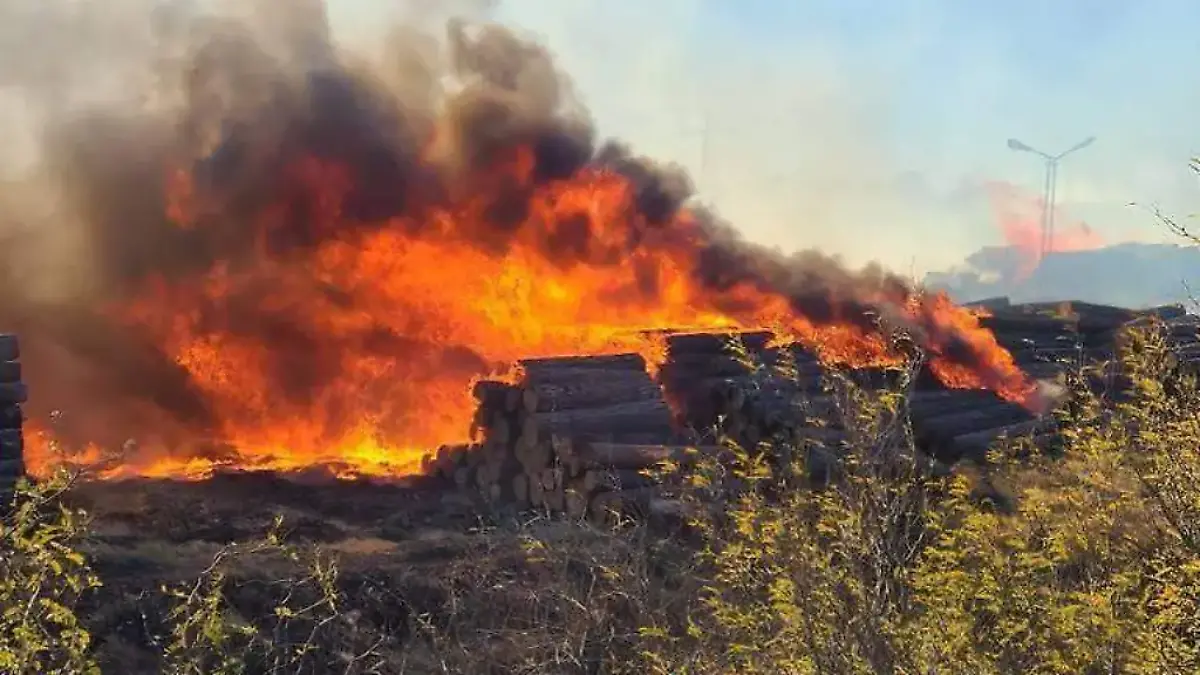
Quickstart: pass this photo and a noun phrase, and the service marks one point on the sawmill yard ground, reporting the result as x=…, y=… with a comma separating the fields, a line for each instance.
x=433, y=581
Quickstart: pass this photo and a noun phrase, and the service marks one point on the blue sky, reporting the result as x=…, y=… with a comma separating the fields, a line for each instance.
x=865, y=127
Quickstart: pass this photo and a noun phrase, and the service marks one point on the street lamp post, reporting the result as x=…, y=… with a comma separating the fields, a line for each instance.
x=1051, y=185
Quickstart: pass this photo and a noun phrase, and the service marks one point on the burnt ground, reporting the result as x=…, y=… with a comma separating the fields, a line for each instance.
x=430, y=581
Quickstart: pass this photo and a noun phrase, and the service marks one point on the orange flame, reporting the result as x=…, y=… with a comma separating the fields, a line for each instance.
x=401, y=319
x=1019, y=216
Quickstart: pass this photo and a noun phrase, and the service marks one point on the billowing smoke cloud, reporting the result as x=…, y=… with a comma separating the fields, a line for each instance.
x=196, y=146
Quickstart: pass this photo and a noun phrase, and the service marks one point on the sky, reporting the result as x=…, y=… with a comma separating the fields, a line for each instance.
x=866, y=128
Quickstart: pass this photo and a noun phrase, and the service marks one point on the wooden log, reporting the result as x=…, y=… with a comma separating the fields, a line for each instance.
x=496, y=395
x=575, y=503
x=10, y=348
x=554, y=500
x=11, y=416
x=975, y=445
x=716, y=343
x=13, y=392
x=594, y=393
x=10, y=371
x=592, y=455
x=520, y=489
x=464, y=476
x=611, y=507
x=534, y=367
x=11, y=470
x=968, y=421
x=537, y=496
x=552, y=478
x=616, y=479
x=691, y=366
x=653, y=416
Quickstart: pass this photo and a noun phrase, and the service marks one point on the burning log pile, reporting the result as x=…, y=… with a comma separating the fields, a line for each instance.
x=573, y=429
x=581, y=435
x=12, y=395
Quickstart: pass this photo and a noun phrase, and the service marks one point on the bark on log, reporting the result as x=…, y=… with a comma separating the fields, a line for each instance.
x=716, y=343
x=496, y=395
x=575, y=503
x=975, y=445
x=11, y=470
x=10, y=371
x=610, y=507
x=10, y=348
x=13, y=392
x=603, y=362
x=554, y=500
x=537, y=496
x=520, y=488
x=652, y=416
x=12, y=444
x=616, y=479
x=11, y=416
x=968, y=421
x=599, y=392
x=589, y=456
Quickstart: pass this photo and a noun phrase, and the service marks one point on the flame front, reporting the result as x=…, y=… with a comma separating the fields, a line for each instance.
x=401, y=318
x=327, y=303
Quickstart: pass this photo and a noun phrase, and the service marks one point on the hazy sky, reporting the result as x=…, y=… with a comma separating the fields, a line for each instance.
x=866, y=127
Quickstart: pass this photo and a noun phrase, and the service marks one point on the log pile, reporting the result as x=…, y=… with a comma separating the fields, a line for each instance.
x=567, y=437
x=12, y=395
x=577, y=435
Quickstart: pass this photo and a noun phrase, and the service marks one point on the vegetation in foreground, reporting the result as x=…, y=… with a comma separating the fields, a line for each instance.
x=1084, y=559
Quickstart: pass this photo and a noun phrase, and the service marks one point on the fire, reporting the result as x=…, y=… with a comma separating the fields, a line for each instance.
x=1019, y=217
x=333, y=314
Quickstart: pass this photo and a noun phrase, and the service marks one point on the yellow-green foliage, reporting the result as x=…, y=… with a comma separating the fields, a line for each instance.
x=42, y=577
x=1095, y=570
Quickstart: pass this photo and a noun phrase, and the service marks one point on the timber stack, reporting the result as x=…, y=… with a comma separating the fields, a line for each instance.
x=579, y=435
x=574, y=435
x=12, y=395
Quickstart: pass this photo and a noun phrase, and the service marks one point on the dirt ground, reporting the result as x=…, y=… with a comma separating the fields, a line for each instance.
x=433, y=582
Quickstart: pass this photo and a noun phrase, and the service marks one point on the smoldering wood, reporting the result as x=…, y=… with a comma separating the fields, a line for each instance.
x=496, y=394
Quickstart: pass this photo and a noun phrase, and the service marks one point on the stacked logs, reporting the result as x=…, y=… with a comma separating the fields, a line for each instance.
x=575, y=435
x=1046, y=341
x=12, y=395
x=738, y=387
x=578, y=435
